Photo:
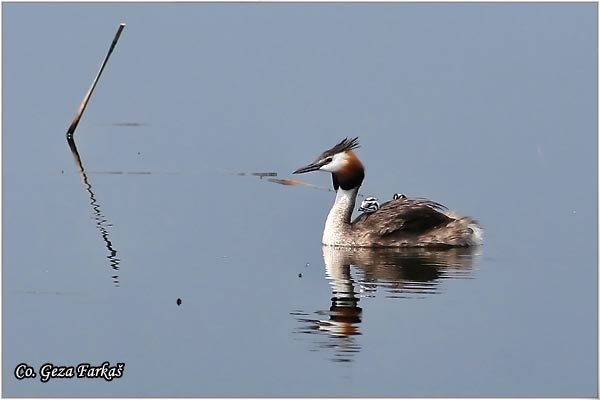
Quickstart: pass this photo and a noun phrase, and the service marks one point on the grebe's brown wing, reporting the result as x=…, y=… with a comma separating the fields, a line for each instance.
x=406, y=215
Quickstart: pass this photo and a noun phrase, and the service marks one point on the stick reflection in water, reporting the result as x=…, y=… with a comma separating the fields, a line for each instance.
x=393, y=273
x=101, y=222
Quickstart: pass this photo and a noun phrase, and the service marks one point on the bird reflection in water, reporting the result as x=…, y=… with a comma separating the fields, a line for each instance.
x=101, y=222
x=393, y=272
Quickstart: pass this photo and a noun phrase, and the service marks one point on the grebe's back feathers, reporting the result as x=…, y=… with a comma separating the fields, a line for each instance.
x=409, y=215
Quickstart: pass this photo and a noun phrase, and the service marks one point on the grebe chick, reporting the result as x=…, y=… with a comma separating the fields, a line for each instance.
x=402, y=222
x=369, y=205
x=399, y=196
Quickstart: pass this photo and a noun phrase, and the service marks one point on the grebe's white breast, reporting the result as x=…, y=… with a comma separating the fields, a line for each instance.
x=337, y=225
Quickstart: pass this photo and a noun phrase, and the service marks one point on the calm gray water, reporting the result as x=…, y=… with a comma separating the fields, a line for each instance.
x=490, y=109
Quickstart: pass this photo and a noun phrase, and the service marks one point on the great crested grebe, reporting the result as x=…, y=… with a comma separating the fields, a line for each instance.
x=401, y=222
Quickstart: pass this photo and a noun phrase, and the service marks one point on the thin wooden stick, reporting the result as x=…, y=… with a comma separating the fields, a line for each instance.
x=73, y=126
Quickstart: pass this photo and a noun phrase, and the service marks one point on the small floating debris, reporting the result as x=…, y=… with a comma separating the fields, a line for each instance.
x=293, y=182
x=132, y=173
x=263, y=174
x=307, y=265
x=179, y=301
x=299, y=312
x=300, y=275
x=287, y=182
x=130, y=124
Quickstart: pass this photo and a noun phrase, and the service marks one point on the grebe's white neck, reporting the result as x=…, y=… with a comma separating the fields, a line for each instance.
x=337, y=226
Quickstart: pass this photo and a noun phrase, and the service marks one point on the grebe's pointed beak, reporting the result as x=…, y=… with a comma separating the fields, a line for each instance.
x=309, y=168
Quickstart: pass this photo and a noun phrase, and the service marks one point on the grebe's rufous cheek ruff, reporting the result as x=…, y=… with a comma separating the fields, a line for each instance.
x=401, y=222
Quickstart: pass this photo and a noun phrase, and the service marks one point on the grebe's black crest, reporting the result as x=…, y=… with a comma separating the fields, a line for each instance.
x=345, y=145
